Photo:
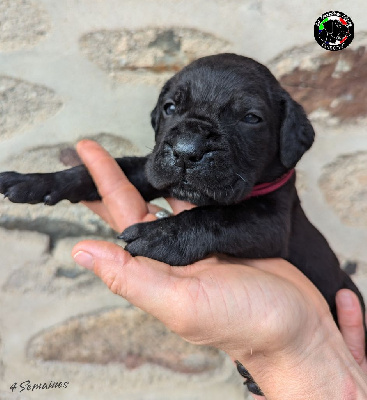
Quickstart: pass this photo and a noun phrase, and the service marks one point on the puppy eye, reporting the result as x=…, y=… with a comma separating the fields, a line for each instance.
x=169, y=108
x=251, y=119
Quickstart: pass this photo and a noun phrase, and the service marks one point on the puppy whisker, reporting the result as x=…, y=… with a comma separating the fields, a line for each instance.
x=240, y=176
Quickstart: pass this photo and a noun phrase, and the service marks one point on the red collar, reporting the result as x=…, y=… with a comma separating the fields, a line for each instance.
x=265, y=188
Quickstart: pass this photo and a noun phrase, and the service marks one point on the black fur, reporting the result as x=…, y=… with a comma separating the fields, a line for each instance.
x=233, y=127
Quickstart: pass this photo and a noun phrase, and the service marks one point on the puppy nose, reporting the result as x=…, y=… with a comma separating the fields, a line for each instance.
x=186, y=151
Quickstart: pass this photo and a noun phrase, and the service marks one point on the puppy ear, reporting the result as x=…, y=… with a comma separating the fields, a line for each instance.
x=156, y=113
x=154, y=118
x=296, y=132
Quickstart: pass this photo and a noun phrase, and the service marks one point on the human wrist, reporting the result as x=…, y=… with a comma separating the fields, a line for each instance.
x=323, y=369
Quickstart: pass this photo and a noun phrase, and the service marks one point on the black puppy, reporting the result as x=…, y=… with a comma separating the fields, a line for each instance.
x=227, y=139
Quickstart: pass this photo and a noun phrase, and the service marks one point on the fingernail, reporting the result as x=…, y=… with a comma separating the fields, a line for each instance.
x=84, y=259
x=346, y=299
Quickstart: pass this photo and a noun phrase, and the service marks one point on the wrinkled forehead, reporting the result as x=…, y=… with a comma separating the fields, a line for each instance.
x=219, y=87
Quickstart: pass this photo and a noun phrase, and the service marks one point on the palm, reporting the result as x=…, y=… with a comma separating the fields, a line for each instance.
x=215, y=295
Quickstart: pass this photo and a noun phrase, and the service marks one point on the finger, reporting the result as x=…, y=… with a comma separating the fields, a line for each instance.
x=179, y=205
x=121, y=198
x=351, y=323
x=148, y=284
x=100, y=209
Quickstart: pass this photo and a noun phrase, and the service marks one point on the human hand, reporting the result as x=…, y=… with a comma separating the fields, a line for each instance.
x=254, y=311
x=351, y=326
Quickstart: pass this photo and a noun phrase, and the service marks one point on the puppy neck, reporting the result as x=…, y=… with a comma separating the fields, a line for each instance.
x=269, y=187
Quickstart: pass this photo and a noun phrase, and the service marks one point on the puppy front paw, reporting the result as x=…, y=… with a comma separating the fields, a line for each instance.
x=160, y=241
x=29, y=188
x=21, y=188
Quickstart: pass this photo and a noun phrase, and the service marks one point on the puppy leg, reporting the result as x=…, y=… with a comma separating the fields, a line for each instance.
x=74, y=184
x=194, y=234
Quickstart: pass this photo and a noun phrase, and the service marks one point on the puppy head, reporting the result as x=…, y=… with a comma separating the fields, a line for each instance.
x=222, y=125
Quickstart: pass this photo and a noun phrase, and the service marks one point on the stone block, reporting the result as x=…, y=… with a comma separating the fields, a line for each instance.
x=23, y=24
x=126, y=336
x=331, y=86
x=344, y=185
x=17, y=246
x=150, y=55
x=24, y=104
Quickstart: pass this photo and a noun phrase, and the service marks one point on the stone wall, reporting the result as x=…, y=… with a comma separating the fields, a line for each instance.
x=72, y=69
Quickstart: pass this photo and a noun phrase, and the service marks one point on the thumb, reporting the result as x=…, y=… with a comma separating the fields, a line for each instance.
x=148, y=284
x=351, y=323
